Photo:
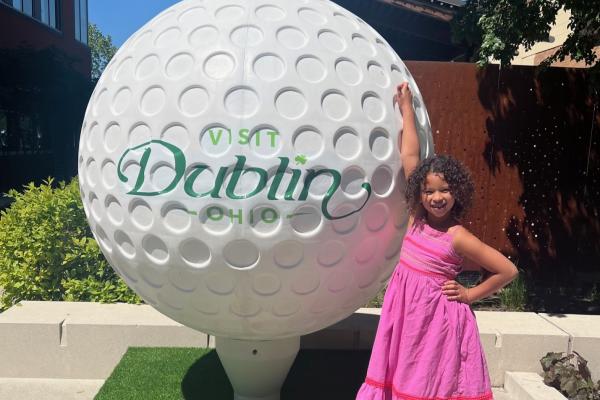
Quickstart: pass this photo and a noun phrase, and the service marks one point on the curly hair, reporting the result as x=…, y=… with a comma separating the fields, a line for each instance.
x=453, y=171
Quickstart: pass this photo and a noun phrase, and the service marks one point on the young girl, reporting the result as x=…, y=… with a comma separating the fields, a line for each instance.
x=427, y=345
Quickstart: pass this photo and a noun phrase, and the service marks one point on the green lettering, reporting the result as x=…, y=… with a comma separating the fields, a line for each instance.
x=178, y=158
x=219, y=182
x=238, y=216
x=266, y=218
x=289, y=193
x=214, y=140
x=329, y=194
x=283, y=163
x=235, y=176
x=273, y=135
x=189, y=181
x=210, y=213
x=312, y=174
x=244, y=133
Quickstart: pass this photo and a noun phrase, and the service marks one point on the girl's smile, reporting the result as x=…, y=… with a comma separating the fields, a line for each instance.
x=436, y=197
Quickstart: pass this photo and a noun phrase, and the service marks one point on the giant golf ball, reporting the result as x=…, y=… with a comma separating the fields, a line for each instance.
x=239, y=164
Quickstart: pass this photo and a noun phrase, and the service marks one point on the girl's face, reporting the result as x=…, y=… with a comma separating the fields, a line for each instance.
x=436, y=196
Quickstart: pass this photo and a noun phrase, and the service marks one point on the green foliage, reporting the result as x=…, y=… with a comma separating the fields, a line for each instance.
x=570, y=375
x=47, y=251
x=595, y=293
x=102, y=49
x=377, y=301
x=496, y=28
x=513, y=297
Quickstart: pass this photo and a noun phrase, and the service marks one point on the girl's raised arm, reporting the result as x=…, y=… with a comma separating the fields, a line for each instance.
x=409, y=143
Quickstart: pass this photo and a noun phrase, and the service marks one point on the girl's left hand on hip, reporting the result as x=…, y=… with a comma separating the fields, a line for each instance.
x=454, y=291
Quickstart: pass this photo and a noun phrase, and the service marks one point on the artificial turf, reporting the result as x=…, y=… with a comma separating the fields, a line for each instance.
x=158, y=373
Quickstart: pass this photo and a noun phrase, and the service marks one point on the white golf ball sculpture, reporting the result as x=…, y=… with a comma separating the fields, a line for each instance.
x=239, y=168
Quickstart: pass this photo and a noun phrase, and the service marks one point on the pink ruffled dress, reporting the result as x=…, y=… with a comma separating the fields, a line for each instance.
x=427, y=347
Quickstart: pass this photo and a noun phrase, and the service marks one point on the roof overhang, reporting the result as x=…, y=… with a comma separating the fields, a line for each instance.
x=439, y=9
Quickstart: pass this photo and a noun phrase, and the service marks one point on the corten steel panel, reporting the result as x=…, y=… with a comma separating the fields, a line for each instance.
x=531, y=143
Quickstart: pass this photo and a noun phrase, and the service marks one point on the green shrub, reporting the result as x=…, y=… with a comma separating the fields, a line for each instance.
x=47, y=251
x=377, y=301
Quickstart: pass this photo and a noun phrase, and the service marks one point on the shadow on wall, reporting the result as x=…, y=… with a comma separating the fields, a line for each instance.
x=548, y=127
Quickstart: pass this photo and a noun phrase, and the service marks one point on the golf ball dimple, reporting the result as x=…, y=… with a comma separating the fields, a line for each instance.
x=238, y=164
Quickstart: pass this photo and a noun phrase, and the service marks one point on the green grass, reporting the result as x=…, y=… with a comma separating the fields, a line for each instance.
x=514, y=296
x=185, y=373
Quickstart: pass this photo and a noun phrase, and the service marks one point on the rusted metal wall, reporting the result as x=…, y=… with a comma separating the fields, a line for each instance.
x=531, y=142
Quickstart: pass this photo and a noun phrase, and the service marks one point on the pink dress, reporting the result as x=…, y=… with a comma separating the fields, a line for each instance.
x=427, y=347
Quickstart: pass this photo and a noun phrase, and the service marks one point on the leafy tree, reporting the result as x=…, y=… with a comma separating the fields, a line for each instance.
x=102, y=49
x=496, y=28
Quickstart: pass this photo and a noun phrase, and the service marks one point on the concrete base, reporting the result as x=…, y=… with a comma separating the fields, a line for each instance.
x=519, y=386
x=516, y=341
x=500, y=394
x=529, y=386
x=57, y=340
x=49, y=389
x=257, y=369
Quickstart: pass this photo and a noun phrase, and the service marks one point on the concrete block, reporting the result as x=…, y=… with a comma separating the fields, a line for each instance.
x=86, y=340
x=523, y=338
x=82, y=340
x=49, y=389
x=585, y=336
x=491, y=342
x=30, y=340
x=529, y=386
x=501, y=394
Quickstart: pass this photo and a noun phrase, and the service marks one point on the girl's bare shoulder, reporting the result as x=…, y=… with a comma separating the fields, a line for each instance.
x=456, y=228
x=463, y=241
x=461, y=236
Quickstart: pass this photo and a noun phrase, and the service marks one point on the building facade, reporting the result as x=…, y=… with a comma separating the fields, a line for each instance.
x=418, y=30
x=45, y=68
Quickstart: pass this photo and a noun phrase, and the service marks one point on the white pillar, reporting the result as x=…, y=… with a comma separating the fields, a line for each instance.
x=257, y=369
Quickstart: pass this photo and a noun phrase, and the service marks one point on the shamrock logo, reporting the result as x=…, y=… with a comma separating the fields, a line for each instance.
x=300, y=159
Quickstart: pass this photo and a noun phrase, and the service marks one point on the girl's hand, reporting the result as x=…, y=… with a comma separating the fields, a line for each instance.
x=456, y=292
x=403, y=96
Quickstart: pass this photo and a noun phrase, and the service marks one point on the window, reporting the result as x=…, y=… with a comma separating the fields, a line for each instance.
x=3, y=131
x=54, y=13
x=45, y=11
x=81, y=21
x=27, y=7
x=20, y=133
